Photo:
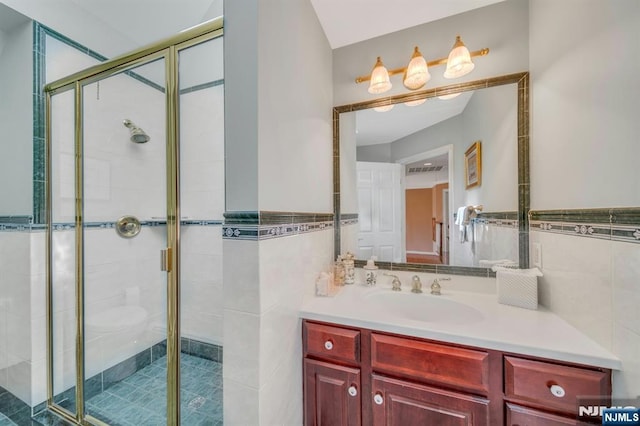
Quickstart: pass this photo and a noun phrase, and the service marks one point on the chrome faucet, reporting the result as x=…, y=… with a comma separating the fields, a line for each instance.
x=396, y=285
x=435, y=286
x=416, y=285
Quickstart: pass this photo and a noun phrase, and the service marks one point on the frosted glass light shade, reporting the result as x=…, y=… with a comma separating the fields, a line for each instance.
x=417, y=73
x=384, y=108
x=380, y=82
x=451, y=96
x=416, y=103
x=459, y=61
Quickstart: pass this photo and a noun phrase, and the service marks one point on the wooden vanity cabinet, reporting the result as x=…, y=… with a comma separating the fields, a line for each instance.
x=332, y=394
x=402, y=403
x=332, y=375
x=363, y=377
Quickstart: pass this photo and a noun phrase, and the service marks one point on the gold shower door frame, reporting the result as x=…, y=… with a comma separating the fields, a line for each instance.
x=168, y=50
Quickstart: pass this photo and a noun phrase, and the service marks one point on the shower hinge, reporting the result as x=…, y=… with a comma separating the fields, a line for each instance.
x=165, y=260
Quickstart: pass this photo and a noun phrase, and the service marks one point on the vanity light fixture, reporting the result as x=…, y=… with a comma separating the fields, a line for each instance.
x=380, y=82
x=416, y=74
x=459, y=61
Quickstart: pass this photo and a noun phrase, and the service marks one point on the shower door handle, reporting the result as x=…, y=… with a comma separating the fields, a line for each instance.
x=165, y=260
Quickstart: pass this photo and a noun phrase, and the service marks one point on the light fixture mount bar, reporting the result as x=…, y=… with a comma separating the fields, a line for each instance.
x=434, y=63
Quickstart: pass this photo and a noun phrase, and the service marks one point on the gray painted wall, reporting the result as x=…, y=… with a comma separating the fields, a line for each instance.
x=502, y=27
x=584, y=103
x=16, y=112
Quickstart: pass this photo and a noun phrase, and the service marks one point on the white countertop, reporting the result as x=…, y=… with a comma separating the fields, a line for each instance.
x=489, y=324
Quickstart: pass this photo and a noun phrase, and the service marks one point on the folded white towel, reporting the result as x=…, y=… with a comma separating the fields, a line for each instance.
x=462, y=217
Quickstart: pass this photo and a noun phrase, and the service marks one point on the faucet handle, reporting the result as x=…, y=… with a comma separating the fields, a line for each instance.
x=416, y=284
x=396, y=285
x=435, y=286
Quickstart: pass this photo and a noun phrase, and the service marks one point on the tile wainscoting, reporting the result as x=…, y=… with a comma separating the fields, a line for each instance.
x=590, y=259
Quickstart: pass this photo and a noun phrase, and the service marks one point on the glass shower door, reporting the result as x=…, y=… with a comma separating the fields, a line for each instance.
x=201, y=124
x=114, y=249
x=125, y=230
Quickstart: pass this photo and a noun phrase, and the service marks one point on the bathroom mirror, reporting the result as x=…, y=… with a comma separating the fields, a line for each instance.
x=408, y=149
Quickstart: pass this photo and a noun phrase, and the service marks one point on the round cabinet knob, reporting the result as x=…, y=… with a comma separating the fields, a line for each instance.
x=378, y=399
x=328, y=345
x=353, y=391
x=557, y=391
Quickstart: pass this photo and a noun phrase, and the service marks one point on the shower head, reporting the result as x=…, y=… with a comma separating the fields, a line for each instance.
x=137, y=134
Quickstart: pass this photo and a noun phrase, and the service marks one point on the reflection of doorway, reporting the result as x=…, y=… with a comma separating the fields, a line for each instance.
x=427, y=182
x=379, y=211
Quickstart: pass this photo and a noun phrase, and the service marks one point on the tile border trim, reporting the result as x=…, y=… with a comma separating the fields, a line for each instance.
x=63, y=226
x=615, y=224
x=264, y=225
x=348, y=219
x=506, y=219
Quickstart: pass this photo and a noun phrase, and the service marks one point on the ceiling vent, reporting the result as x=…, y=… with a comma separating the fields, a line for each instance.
x=424, y=169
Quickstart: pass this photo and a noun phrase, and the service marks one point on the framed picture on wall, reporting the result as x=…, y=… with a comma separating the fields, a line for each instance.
x=473, y=165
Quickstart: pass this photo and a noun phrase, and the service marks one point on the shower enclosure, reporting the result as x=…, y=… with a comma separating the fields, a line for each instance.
x=135, y=198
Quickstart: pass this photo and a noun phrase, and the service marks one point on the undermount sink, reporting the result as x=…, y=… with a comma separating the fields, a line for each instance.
x=424, y=307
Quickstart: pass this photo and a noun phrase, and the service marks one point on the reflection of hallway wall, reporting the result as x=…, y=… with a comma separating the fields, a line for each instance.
x=419, y=211
x=422, y=206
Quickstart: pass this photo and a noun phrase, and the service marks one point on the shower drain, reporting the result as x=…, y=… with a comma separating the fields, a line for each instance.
x=196, y=402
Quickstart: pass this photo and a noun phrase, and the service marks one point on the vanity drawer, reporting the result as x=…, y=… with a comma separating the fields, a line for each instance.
x=517, y=415
x=550, y=385
x=325, y=341
x=431, y=362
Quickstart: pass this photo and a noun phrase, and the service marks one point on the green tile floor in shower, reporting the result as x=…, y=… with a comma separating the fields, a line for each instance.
x=140, y=399
x=5, y=421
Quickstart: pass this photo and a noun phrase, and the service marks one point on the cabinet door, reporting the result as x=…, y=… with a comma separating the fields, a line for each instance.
x=523, y=416
x=400, y=403
x=332, y=394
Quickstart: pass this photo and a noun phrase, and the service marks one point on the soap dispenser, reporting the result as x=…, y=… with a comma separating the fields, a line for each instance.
x=371, y=272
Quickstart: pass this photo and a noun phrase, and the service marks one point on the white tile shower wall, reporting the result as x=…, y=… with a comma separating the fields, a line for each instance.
x=15, y=310
x=202, y=153
x=112, y=265
x=264, y=354
x=201, y=286
x=120, y=177
x=593, y=284
x=119, y=272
